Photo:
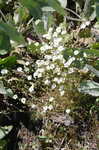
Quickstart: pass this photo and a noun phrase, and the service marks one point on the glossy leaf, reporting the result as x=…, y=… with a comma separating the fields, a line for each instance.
x=92, y=69
x=10, y=31
x=56, y=5
x=4, y=131
x=89, y=87
x=34, y=6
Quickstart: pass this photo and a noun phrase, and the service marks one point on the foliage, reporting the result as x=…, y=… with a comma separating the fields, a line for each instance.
x=90, y=87
x=35, y=61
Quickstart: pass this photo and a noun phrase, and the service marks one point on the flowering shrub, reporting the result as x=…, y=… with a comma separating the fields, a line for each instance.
x=54, y=68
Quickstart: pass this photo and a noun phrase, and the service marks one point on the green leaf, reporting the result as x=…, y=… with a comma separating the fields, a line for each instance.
x=56, y=5
x=95, y=45
x=10, y=31
x=89, y=87
x=97, y=9
x=40, y=28
x=9, y=92
x=4, y=131
x=2, y=88
x=4, y=91
x=85, y=33
x=5, y=45
x=92, y=51
x=33, y=6
x=3, y=144
x=92, y=69
x=20, y=15
x=7, y=62
x=33, y=48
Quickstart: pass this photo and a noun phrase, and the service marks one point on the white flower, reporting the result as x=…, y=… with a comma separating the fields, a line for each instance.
x=56, y=41
x=4, y=71
x=40, y=63
x=45, y=108
x=54, y=58
x=19, y=69
x=26, y=69
x=37, y=21
x=33, y=106
x=87, y=23
x=15, y=96
x=45, y=47
x=60, y=80
x=83, y=26
x=55, y=79
x=60, y=57
x=29, y=77
x=48, y=67
x=60, y=48
x=61, y=88
x=23, y=100
x=47, y=36
x=48, y=57
x=47, y=82
x=53, y=86
x=31, y=89
x=81, y=59
x=39, y=72
x=55, y=34
x=63, y=32
x=50, y=107
x=58, y=29
x=50, y=30
x=84, y=54
x=52, y=66
x=57, y=70
x=76, y=52
x=68, y=111
x=27, y=63
x=51, y=99
x=62, y=93
x=71, y=70
x=35, y=74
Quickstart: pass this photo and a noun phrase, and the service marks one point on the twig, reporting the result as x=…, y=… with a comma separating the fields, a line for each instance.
x=74, y=19
x=73, y=12
x=62, y=142
x=30, y=21
x=3, y=15
x=37, y=32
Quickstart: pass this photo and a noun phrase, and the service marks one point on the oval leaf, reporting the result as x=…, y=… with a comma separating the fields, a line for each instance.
x=11, y=32
x=89, y=87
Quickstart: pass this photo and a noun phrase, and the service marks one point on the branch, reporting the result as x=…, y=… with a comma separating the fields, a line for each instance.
x=3, y=16
x=74, y=19
x=73, y=12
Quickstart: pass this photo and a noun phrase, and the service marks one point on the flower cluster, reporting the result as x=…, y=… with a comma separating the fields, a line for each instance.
x=53, y=67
